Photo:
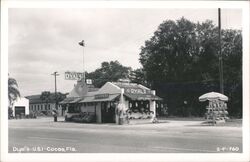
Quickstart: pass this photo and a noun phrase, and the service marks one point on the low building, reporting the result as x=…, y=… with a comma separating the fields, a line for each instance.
x=133, y=103
x=21, y=107
x=43, y=107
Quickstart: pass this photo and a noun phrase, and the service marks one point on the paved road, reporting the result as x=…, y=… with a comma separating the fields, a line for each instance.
x=44, y=135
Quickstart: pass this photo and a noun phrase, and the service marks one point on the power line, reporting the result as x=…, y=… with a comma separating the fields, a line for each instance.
x=220, y=54
x=55, y=75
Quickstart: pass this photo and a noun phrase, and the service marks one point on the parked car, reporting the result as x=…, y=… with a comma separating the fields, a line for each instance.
x=69, y=116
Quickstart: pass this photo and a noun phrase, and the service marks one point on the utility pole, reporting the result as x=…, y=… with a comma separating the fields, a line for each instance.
x=55, y=75
x=220, y=54
x=83, y=45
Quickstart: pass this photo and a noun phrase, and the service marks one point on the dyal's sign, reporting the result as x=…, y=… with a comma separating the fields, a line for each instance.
x=136, y=91
x=73, y=75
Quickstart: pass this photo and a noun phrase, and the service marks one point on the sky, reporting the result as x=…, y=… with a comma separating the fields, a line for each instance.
x=42, y=41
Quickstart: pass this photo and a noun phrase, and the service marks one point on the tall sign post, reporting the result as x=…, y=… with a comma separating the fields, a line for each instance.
x=83, y=45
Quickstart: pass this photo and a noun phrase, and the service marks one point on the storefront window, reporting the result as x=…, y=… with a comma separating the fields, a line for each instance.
x=139, y=106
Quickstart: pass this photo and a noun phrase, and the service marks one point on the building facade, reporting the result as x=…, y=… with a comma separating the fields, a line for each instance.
x=21, y=107
x=41, y=107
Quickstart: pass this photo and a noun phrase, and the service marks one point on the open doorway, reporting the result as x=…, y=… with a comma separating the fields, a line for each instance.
x=19, y=110
x=108, y=112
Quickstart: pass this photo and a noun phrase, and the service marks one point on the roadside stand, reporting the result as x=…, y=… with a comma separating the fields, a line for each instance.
x=217, y=107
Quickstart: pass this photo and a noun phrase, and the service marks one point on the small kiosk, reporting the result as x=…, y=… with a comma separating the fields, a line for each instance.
x=217, y=107
x=114, y=102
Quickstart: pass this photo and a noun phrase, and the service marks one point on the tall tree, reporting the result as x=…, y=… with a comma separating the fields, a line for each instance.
x=232, y=63
x=181, y=62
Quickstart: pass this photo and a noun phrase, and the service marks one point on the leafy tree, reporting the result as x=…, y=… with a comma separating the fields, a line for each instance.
x=138, y=76
x=46, y=97
x=109, y=71
x=181, y=62
x=60, y=96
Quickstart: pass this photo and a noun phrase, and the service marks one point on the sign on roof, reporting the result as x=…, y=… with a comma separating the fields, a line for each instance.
x=89, y=81
x=73, y=75
x=101, y=96
x=137, y=91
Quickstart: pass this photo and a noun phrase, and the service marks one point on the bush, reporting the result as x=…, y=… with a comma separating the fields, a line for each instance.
x=84, y=118
x=31, y=115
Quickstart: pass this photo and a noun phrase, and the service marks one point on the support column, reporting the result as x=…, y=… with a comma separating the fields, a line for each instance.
x=153, y=104
x=119, y=106
x=122, y=100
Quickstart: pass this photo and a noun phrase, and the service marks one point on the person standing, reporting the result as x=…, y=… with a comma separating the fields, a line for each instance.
x=120, y=113
x=54, y=113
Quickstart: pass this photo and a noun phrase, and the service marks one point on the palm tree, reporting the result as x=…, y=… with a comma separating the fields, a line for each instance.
x=13, y=93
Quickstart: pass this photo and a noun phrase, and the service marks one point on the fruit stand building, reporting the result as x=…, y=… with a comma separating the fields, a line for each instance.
x=114, y=102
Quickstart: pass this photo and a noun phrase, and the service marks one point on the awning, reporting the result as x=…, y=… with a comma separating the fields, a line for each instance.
x=76, y=100
x=110, y=97
x=213, y=96
x=142, y=96
x=70, y=100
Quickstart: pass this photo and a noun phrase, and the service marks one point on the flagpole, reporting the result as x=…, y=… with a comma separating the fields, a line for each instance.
x=83, y=65
x=83, y=45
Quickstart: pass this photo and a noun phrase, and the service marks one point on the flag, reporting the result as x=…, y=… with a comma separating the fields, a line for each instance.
x=82, y=43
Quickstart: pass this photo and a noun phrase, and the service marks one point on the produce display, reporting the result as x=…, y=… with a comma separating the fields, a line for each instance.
x=216, y=110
